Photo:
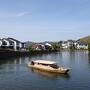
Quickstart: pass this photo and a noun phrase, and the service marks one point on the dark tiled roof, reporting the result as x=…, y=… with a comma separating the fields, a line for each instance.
x=71, y=40
x=13, y=39
x=80, y=43
x=7, y=40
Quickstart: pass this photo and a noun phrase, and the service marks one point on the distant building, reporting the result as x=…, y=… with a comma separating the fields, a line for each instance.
x=64, y=45
x=73, y=44
x=38, y=47
x=67, y=44
x=41, y=46
x=48, y=46
x=82, y=46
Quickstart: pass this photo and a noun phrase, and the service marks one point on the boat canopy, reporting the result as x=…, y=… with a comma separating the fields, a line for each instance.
x=44, y=62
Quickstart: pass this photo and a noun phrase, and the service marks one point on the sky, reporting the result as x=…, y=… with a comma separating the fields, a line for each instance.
x=44, y=20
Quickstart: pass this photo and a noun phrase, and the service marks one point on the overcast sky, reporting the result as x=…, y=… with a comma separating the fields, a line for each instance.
x=44, y=20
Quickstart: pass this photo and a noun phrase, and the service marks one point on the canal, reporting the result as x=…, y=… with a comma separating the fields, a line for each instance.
x=15, y=75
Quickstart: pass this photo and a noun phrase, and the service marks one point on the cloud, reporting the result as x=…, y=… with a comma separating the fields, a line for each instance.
x=22, y=14
x=5, y=15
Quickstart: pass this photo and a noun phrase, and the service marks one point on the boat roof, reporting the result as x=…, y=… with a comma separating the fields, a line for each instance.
x=44, y=62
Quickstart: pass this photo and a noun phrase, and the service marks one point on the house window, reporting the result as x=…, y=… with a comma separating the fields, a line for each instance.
x=4, y=43
x=17, y=43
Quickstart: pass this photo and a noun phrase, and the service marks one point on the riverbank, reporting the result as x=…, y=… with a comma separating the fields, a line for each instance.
x=4, y=54
x=8, y=53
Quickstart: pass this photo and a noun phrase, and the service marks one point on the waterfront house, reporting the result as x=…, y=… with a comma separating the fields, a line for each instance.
x=81, y=45
x=38, y=47
x=64, y=45
x=71, y=44
x=17, y=44
x=23, y=46
x=5, y=43
x=48, y=46
x=12, y=44
x=0, y=42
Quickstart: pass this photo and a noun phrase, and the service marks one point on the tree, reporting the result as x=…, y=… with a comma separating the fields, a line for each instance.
x=30, y=48
x=56, y=46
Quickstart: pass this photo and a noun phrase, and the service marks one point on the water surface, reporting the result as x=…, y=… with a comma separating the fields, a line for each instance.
x=15, y=75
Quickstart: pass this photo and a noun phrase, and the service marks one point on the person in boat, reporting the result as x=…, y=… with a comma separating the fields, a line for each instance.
x=54, y=66
x=32, y=63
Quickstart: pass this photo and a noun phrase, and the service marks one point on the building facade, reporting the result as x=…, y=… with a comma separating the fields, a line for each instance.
x=11, y=44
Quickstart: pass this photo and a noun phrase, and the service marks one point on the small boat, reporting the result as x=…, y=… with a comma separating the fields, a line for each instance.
x=48, y=66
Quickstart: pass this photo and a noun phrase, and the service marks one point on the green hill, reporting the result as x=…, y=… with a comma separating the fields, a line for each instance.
x=85, y=39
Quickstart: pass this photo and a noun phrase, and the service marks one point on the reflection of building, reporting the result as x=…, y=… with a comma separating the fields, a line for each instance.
x=14, y=64
x=11, y=43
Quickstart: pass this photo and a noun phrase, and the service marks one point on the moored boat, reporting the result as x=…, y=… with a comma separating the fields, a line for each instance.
x=48, y=66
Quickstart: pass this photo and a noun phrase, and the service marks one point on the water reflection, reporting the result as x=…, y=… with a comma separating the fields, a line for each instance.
x=49, y=75
x=14, y=64
x=89, y=57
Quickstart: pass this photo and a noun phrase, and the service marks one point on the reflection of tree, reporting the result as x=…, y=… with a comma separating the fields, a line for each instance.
x=89, y=57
